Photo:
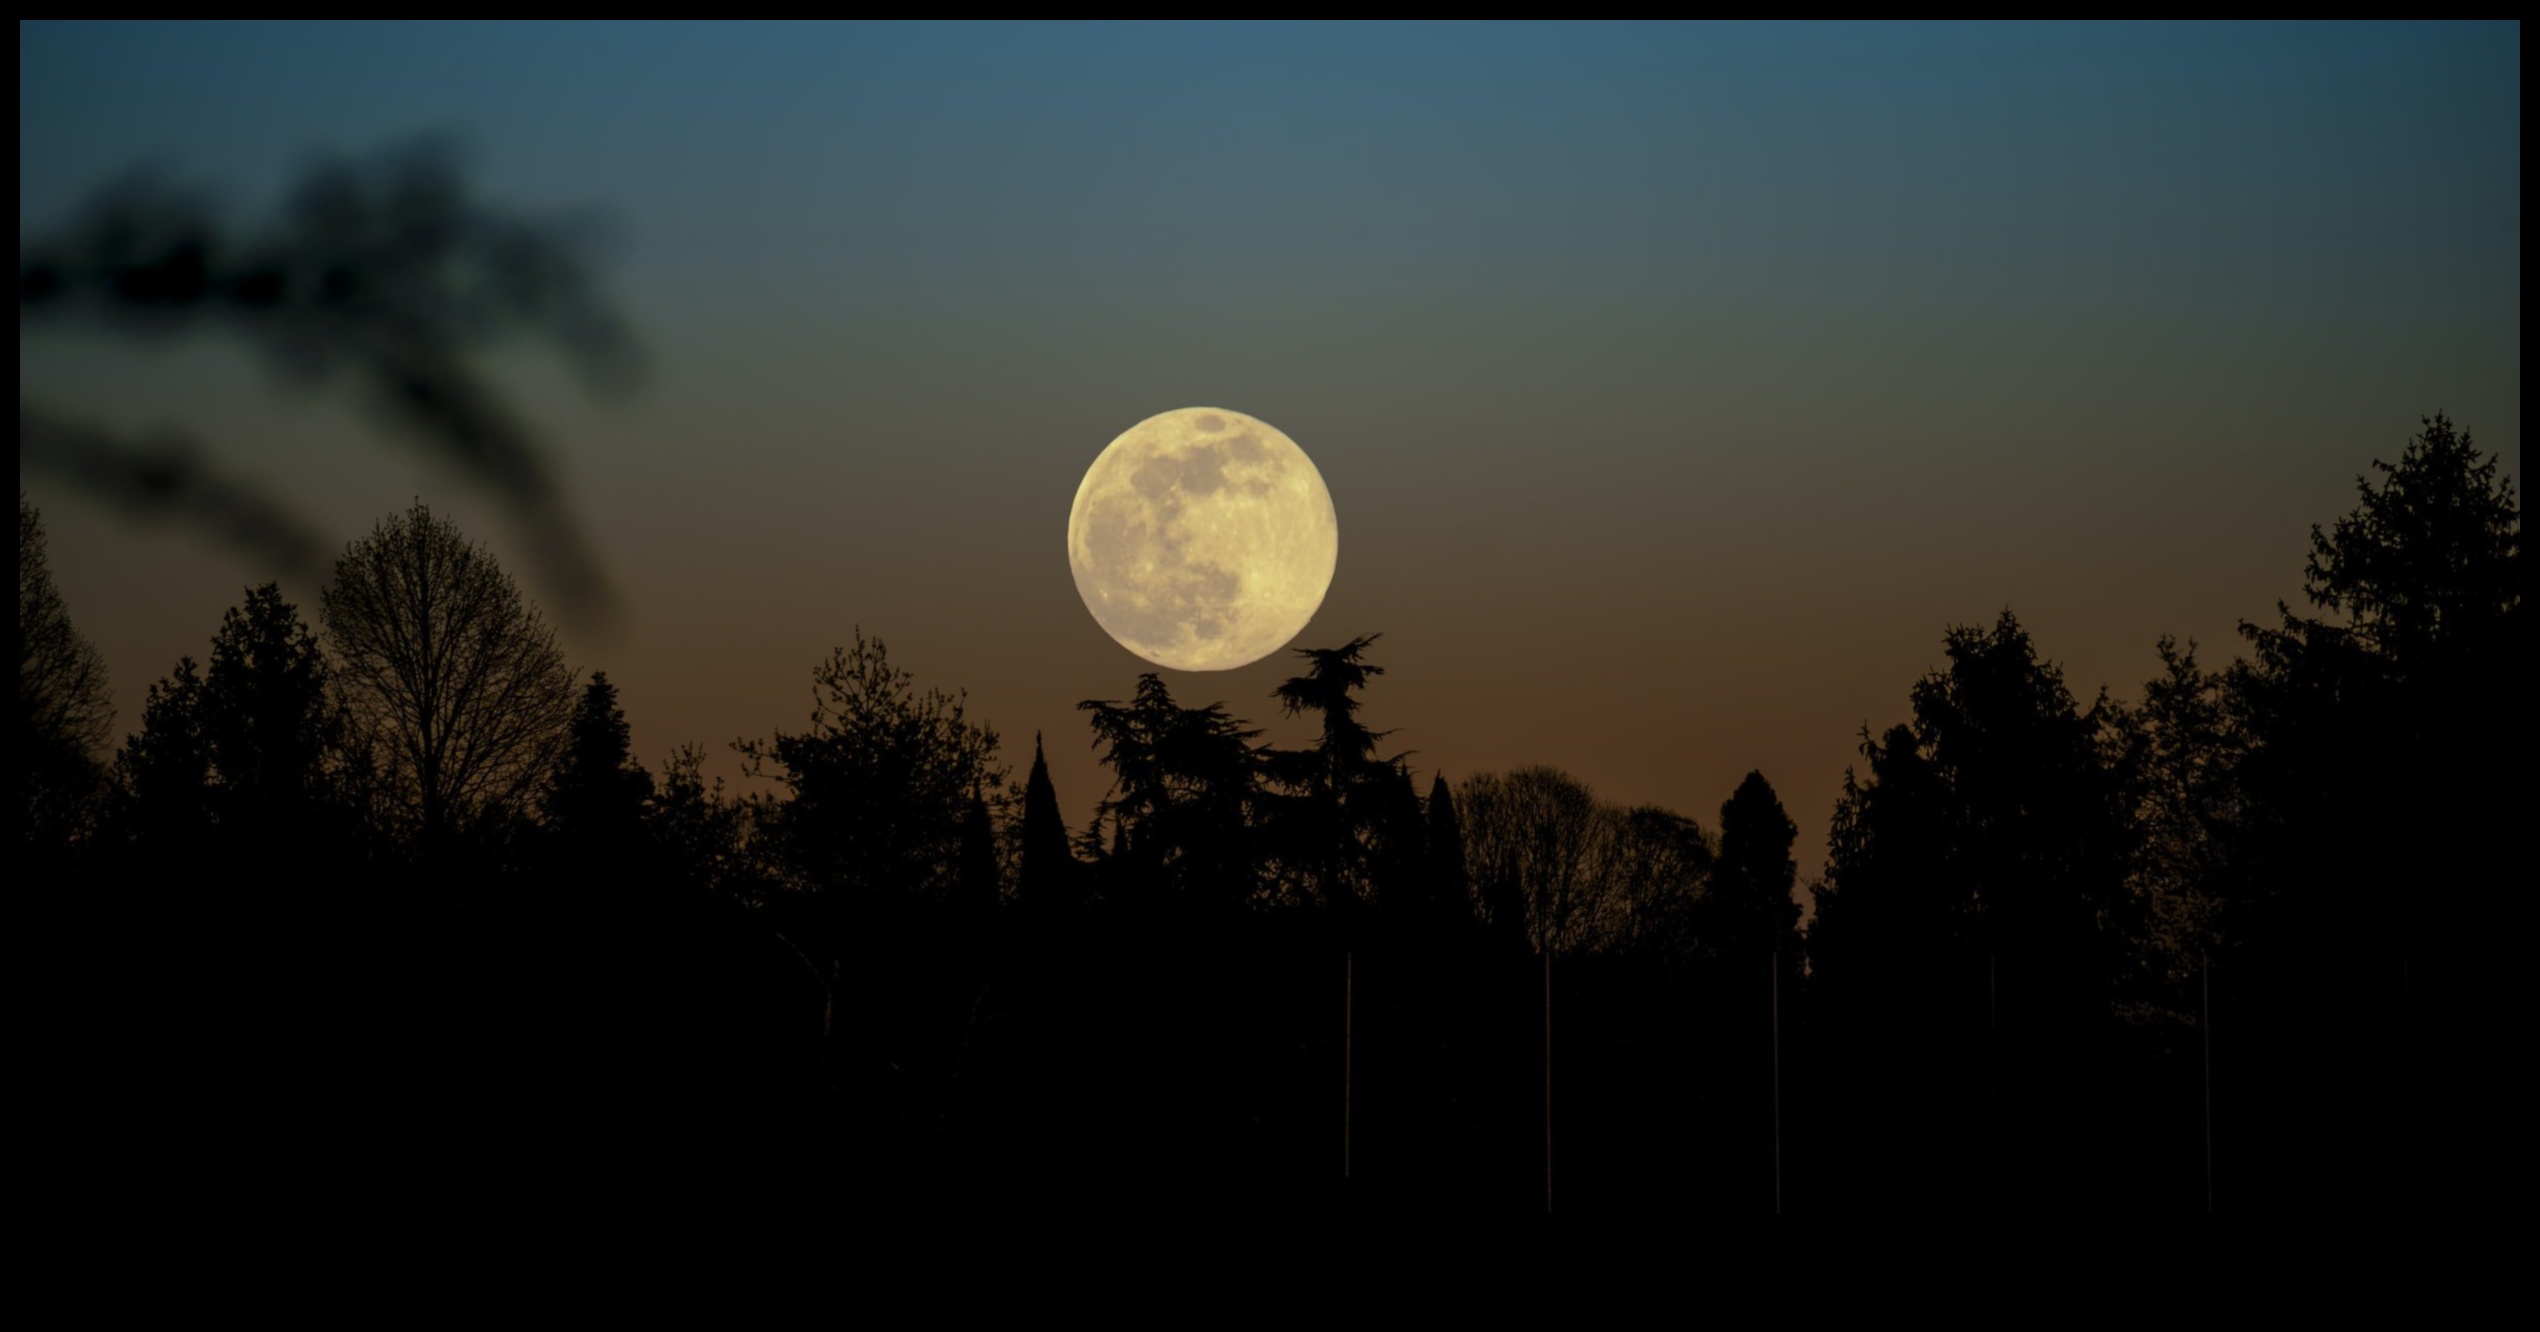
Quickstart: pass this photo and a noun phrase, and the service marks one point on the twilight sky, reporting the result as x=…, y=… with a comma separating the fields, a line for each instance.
x=1676, y=386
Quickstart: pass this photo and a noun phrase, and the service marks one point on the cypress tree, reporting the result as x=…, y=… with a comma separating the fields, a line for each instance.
x=1049, y=868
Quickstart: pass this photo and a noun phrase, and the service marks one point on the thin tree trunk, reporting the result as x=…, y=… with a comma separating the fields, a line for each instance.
x=2205, y=1023
x=1349, y=1055
x=1547, y=1081
x=1993, y=1075
x=1777, y=1081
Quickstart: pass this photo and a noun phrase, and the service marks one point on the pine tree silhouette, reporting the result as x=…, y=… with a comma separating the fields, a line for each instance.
x=595, y=803
x=1050, y=879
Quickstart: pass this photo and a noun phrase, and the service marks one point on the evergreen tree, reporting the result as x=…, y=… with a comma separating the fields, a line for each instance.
x=1963, y=939
x=1186, y=793
x=1091, y=851
x=2035, y=817
x=2383, y=775
x=595, y=803
x=2426, y=570
x=164, y=773
x=1049, y=869
x=269, y=721
x=880, y=784
x=1888, y=895
x=2381, y=713
x=1398, y=836
x=1329, y=689
x=1750, y=912
x=239, y=759
x=1338, y=791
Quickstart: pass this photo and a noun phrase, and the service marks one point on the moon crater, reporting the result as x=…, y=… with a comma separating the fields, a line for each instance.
x=1203, y=539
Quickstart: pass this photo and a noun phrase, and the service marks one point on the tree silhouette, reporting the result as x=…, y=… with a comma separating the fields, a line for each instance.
x=2426, y=569
x=1339, y=792
x=2380, y=783
x=1965, y=934
x=2382, y=712
x=596, y=800
x=245, y=758
x=64, y=712
x=1329, y=689
x=1750, y=912
x=163, y=772
x=1398, y=841
x=1658, y=869
x=1746, y=965
x=269, y=719
x=1449, y=886
x=880, y=783
x=1541, y=849
x=448, y=675
x=1538, y=846
x=704, y=837
x=978, y=879
x=1887, y=895
x=2185, y=749
x=1890, y=950
x=2037, y=830
x=1049, y=871
x=1348, y=835
x=2034, y=909
x=1186, y=787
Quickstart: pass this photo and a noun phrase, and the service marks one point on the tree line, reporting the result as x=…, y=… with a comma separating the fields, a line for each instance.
x=2213, y=949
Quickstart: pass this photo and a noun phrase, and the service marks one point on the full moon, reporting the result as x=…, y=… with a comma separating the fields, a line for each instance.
x=1203, y=539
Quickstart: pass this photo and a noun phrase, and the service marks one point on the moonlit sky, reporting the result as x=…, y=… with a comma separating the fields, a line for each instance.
x=1676, y=386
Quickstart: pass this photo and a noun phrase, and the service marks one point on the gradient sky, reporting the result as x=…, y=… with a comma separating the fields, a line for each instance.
x=1677, y=386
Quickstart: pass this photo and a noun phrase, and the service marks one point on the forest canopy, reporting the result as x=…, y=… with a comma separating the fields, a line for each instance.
x=2035, y=902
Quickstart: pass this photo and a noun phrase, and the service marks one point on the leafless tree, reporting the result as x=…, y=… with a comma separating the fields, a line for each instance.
x=1537, y=840
x=1538, y=837
x=452, y=679
x=64, y=711
x=1659, y=867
